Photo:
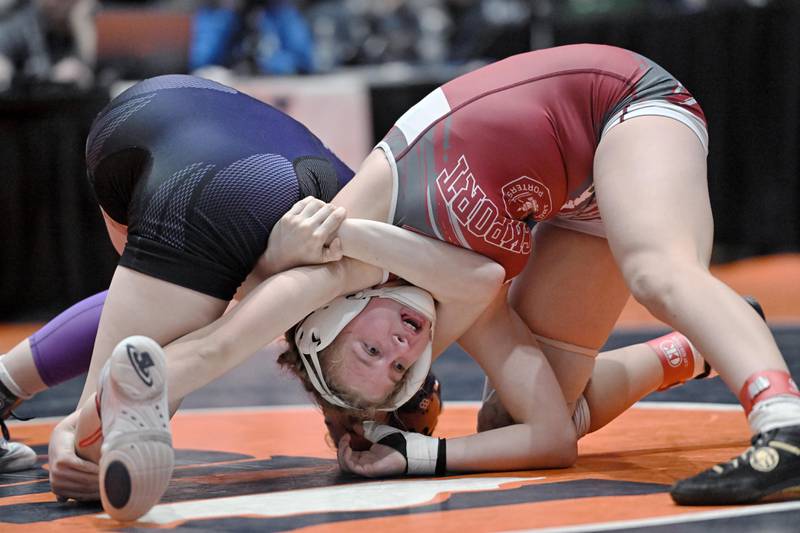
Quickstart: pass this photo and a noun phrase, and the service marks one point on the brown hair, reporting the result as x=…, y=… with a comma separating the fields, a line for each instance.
x=330, y=358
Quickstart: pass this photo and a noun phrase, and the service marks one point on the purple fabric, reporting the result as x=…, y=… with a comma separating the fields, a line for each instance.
x=62, y=349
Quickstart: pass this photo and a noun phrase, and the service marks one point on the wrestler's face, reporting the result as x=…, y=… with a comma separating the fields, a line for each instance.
x=378, y=346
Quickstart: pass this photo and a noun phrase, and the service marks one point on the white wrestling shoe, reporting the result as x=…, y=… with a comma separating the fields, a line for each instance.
x=15, y=456
x=136, y=457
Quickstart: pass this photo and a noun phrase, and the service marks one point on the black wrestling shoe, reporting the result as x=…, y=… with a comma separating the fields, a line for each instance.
x=751, y=300
x=768, y=469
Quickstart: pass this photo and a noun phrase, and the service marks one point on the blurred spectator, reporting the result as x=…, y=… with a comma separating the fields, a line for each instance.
x=48, y=40
x=356, y=32
x=252, y=37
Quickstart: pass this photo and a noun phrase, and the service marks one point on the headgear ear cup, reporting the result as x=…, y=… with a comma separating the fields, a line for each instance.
x=421, y=413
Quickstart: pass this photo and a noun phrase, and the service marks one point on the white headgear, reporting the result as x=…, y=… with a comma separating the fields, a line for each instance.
x=320, y=328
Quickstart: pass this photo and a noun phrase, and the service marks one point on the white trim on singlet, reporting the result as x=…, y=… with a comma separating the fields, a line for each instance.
x=592, y=223
x=424, y=113
x=593, y=227
x=662, y=108
x=387, y=152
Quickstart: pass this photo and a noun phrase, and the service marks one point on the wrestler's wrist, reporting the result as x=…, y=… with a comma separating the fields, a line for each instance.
x=357, y=275
x=424, y=455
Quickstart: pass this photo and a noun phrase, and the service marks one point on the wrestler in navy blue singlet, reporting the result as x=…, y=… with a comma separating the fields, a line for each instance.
x=200, y=173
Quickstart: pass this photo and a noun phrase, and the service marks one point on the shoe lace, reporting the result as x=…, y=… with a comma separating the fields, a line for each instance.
x=759, y=440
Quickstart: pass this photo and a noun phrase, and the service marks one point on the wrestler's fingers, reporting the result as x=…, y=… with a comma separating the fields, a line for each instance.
x=78, y=496
x=332, y=252
x=312, y=206
x=342, y=449
x=77, y=490
x=327, y=228
x=299, y=205
x=320, y=216
x=72, y=462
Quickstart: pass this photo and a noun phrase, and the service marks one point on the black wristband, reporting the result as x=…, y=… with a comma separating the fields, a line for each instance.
x=397, y=442
x=441, y=458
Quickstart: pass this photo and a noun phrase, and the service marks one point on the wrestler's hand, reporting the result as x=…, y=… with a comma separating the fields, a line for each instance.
x=71, y=476
x=305, y=235
x=394, y=452
x=378, y=461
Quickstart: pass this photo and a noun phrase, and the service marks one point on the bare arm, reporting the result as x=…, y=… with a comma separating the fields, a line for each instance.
x=545, y=437
x=462, y=282
x=266, y=313
x=449, y=273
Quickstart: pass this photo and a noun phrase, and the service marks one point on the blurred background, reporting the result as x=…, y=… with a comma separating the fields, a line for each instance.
x=363, y=63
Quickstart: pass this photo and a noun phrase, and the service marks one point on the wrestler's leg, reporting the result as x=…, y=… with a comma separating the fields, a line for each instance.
x=650, y=178
x=621, y=378
x=658, y=219
x=59, y=351
x=138, y=304
x=570, y=292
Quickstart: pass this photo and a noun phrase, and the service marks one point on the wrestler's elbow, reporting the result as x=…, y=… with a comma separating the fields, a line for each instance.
x=486, y=283
x=565, y=453
x=565, y=446
x=554, y=448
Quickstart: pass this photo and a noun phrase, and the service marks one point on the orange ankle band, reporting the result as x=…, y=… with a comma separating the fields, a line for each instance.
x=677, y=360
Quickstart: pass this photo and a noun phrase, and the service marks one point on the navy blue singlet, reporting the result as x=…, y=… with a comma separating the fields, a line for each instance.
x=200, y=173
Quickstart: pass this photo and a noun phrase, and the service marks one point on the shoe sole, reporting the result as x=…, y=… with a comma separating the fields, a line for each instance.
x=785, y=491
x=136, y=466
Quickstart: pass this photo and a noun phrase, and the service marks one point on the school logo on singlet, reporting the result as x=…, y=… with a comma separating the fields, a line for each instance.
x=470, y=208
x=526, y=196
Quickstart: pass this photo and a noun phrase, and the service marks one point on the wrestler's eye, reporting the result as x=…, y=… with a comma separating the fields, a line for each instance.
x=371, y=350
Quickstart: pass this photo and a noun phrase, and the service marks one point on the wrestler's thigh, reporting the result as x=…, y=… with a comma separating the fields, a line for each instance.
x=571, y=289
x=650, y=178
x=138, y=304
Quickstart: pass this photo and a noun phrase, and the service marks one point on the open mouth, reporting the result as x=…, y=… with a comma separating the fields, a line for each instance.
x=412, y=320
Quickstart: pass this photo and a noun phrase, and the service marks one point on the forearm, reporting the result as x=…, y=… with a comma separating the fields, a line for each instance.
x=266, y=313
x=507, y=351
x=450, y=273
x=516, y=447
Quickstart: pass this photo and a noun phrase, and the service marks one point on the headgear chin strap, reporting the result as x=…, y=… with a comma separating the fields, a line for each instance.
x=320, y=328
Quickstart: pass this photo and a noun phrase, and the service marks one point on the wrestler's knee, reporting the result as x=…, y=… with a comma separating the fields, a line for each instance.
x=656, y=280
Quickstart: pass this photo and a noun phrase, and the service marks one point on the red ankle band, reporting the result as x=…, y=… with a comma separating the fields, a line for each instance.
x=677, y=360
x=766, y=384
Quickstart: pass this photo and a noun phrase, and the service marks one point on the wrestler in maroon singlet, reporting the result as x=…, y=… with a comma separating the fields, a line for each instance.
x=513, y=143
